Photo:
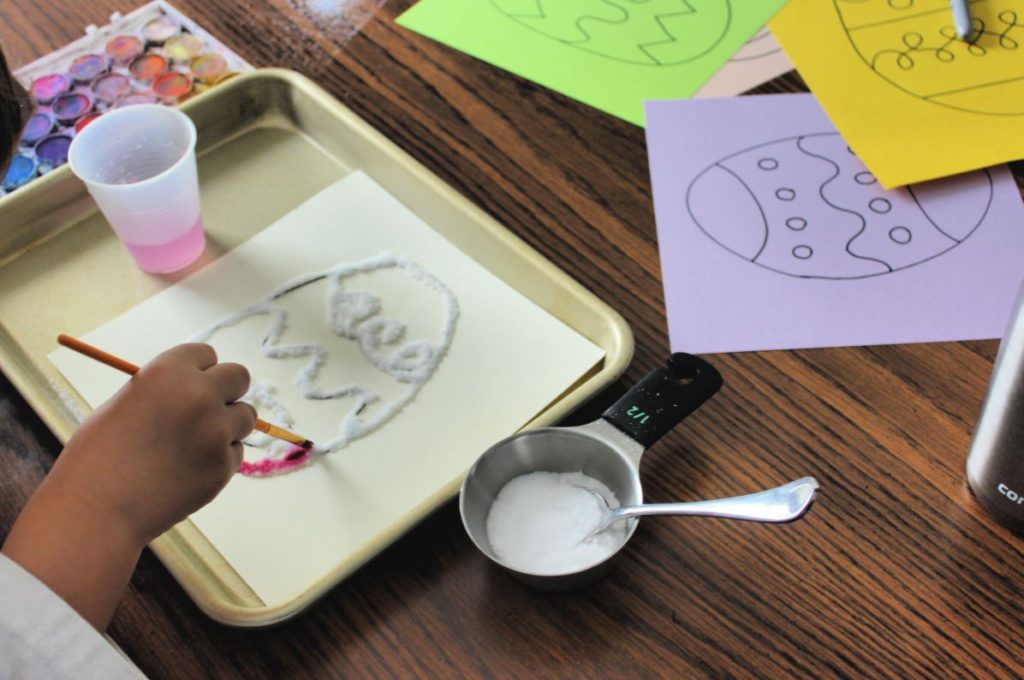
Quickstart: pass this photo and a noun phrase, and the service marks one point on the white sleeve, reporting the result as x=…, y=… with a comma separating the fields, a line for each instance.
x=41, y=636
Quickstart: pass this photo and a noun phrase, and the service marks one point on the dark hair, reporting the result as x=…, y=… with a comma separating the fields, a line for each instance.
x=15, y=109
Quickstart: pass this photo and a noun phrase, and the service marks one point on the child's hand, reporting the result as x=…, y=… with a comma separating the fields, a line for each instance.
x=161, y=448
x=165, y=444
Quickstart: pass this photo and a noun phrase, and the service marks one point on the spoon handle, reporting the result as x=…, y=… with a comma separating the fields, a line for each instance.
x=782, y=504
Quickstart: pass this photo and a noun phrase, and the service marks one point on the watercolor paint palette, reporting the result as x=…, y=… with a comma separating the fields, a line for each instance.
x=153, y=55
x=279, y=140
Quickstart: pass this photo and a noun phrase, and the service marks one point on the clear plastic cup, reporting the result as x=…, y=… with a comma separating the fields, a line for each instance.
x=139, y=164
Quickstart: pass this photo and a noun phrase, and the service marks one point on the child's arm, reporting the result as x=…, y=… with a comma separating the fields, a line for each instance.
x=160, y=449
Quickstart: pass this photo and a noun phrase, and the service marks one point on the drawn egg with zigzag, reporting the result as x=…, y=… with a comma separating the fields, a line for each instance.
x=913, y=45
x=647, y=32
x=807, y=207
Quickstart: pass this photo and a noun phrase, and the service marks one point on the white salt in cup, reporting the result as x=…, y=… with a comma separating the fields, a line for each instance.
x=608, y=450
x=139, y=164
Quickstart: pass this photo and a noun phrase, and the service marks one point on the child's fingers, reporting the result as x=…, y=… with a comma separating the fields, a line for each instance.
x=232, y=380
x=198, y=354
x=237, y=455
x=242, y=417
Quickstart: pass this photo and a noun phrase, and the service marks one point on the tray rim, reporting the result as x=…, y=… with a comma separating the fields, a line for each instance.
x=174, y=548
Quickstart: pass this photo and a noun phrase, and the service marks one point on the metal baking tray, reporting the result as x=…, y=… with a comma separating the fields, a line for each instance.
x=268, y=140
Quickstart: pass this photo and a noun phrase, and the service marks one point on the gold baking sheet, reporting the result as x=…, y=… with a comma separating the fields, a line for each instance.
x=268, y=141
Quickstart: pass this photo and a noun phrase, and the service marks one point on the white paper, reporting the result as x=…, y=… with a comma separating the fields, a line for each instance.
x=508, y=359
x=758, y=61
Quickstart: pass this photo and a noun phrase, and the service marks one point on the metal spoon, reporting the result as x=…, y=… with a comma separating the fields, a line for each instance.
x=782, y=504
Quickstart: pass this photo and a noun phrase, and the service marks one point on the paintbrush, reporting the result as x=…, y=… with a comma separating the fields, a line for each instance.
x=131, y=369
x=962, y=19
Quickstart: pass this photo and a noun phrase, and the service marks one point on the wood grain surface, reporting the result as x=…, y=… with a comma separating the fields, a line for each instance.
x=897, y=571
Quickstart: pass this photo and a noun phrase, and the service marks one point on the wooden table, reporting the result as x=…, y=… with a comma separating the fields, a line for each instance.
x=896, y=572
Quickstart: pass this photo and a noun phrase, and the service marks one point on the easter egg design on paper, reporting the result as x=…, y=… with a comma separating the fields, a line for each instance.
x=350, y=346
x=807, y=207
x=647, y=32
x=913, y=45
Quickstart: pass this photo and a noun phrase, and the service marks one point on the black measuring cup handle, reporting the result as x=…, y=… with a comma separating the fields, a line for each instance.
x=662, y=399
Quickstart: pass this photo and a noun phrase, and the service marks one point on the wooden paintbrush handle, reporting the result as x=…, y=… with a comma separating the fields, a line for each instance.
x=97, y=354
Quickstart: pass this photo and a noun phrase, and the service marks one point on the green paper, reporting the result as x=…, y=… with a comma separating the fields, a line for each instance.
x=610, y=54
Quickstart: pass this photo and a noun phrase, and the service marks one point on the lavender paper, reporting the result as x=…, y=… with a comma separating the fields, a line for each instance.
x=773, y=235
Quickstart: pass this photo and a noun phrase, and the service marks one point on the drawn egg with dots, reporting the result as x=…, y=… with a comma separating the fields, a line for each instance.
x=807, y=207
x=338, y=354
x=913, y=45
x=645, y=32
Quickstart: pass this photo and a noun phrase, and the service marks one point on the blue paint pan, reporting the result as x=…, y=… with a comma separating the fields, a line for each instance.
x=22, y=169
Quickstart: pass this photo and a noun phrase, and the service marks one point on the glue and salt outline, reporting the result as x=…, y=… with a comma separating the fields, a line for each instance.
x=353, y=315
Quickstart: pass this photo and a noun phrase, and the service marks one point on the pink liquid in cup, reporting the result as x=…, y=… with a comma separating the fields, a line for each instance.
x=139, y=164
x=171, y=256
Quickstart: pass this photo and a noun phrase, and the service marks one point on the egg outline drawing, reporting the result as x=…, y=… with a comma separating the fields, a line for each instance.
x=617, y=4
x=765, y=228
x=411, y=363
x=952, y=40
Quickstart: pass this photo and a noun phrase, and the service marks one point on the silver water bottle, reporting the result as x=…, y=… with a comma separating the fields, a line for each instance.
x=995, y=464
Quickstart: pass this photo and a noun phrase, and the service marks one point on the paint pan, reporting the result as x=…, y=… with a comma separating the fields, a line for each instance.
x=227, y=76
x=69, y=108
x=208, y=67
x=111, y=87
x=87, y=68
x=38, y=126
x=20, y=172
x=135, y=98
x=183, y=47
x=160, y=30
x=147, y=67
x=53, y=150
x=171, y=87
x=114, y=67
x=47, y=88
x=85, y=121
x=124, y=48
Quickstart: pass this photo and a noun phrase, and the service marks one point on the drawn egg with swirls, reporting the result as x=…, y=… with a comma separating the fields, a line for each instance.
x=913, y=45
x=648, y=32
x=807, y=207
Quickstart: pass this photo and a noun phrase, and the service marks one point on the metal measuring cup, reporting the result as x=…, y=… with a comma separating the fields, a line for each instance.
x=607, y=449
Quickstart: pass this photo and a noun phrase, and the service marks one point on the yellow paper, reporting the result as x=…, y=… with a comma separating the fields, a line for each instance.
x=507, y=360
x=913, y=101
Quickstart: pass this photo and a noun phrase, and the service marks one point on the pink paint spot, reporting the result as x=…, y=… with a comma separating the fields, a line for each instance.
x=294, y=458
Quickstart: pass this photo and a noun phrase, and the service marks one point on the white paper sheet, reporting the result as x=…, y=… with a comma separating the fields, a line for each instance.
x=507, y=360
x=758, y=61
